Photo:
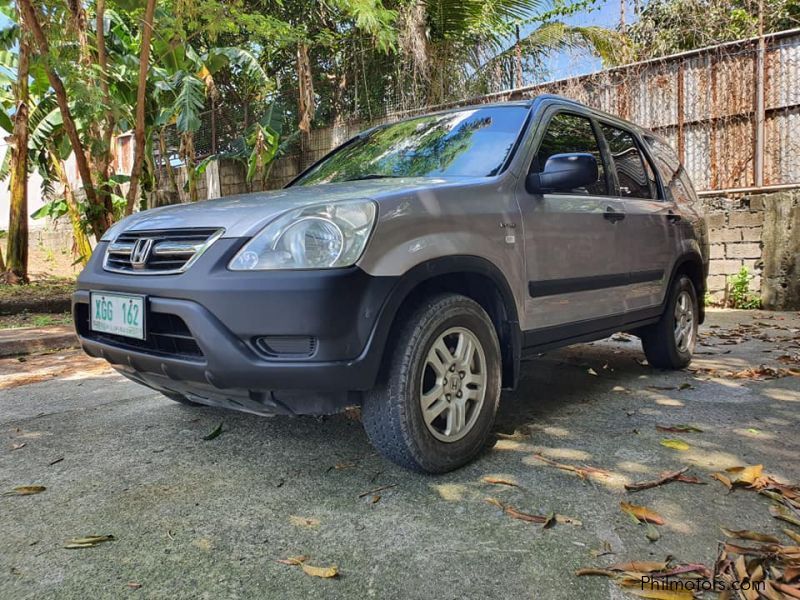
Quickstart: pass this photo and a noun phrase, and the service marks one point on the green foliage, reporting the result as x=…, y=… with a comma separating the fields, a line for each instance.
x=739, y=293
x=671, y=26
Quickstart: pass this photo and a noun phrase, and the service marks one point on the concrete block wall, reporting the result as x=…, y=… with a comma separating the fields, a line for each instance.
x=760, y=232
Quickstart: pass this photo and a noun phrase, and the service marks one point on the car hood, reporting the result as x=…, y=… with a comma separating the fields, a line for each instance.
x=244, y=215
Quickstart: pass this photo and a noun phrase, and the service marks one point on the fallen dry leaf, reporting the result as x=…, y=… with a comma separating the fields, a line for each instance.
x=134, y=585
x=675, y=444
x=792, y=534
x=324, y=572
x=744, y=534
x=723, y=479
x=26, y=490
x=583, y=472
x=679, y=429
x=642, y=513
x=545, y=520
x=89, y=541
x=784, y=514
x=498, y=481
x=664, y=478
x=293, y=560
x=18, y=446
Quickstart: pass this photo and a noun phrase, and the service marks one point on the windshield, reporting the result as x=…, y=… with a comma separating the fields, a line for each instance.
x=466, y=143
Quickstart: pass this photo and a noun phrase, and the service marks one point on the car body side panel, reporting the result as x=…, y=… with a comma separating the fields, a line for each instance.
x=479, y=219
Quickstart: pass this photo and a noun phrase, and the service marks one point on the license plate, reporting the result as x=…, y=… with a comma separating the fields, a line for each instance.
x=119, y=314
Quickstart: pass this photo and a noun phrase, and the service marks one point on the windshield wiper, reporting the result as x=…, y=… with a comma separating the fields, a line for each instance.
x=372, y=176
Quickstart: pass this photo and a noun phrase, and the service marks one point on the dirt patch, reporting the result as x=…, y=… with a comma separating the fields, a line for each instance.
x=45, y=296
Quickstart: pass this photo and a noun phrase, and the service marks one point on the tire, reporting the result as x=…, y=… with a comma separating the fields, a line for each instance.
x=392, y=413
x=663, y=346
x=180, y=399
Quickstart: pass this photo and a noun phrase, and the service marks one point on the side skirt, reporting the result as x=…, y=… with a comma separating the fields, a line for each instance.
x=557, y=336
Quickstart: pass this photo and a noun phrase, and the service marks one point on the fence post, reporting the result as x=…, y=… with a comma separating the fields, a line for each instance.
x=680, y=109
x=760, y=109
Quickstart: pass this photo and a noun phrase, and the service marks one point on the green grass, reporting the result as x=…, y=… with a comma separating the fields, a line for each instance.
x=26, y=319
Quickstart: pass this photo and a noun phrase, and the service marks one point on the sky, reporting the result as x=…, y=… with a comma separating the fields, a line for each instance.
x=604, y=14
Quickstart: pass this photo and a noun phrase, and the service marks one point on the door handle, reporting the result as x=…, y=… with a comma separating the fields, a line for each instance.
x=613, y=215
x=672, y=217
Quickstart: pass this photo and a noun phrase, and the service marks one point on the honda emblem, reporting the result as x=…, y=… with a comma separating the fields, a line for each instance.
x=141, y=252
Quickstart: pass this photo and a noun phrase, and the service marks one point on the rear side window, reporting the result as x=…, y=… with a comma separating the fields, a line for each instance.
x=636, y=178
x=566, y=134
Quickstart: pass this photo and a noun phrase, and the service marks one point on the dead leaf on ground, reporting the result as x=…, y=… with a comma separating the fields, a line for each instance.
x=304, y=521
x=745, y=475
x=642, y=513
x=675, y=444
x=214, y=434
x=664, y=478
x=323, y=572
x=792, y=534
x=605, y=548
x=18, y=446
x=26, y=490
x=89, y=541
x=679, y=428
x=784, y=514
x=293, y=560
x=134, y=585
x=583, y=472
x=545, y=520
x=499, y=481
x=744, y=534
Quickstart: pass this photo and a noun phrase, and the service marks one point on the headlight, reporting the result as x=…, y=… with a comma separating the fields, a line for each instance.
x=323, y=236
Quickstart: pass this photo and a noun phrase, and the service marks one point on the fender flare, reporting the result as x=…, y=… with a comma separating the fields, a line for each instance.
x=509, y=333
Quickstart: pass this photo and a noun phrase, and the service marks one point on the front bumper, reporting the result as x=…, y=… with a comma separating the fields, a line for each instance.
x=224, y=313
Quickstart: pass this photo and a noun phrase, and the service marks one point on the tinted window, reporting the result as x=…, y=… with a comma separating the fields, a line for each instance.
x=568, y=134
x=466, y=143
x=665, y=158
x=636, y=179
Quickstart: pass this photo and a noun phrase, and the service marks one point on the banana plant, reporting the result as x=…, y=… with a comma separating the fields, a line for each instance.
x=184, y=82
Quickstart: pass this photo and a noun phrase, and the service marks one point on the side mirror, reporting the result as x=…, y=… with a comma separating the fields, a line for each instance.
x=563, y=172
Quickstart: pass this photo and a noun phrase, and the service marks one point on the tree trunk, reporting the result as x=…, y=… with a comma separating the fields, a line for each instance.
x=103, y=161
x=101, y=219
x=82, y=245
x=306, y=106
x=138, y=132
x=17, y=254
x=173, y=180
x=187, y=149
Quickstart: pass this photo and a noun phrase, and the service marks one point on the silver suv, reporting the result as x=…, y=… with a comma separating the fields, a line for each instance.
x=409, y=271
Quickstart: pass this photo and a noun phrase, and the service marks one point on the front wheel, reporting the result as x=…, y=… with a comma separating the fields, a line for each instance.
x=434, y=407
x=669, y=344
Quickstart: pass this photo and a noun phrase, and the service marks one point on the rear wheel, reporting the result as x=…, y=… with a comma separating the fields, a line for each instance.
x=434, y=407
x=669, y=344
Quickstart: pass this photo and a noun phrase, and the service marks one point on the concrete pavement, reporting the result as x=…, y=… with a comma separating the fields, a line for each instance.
x=209, y=519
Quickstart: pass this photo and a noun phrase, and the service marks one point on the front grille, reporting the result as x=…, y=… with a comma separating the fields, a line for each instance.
x=167, y=335
x=159, y=252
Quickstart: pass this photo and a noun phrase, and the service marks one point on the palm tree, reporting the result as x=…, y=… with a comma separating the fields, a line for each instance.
x=448, y=43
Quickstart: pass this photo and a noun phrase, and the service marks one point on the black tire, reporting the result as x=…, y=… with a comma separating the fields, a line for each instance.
x=392, y=414
x=659, y=340
x=180, y=399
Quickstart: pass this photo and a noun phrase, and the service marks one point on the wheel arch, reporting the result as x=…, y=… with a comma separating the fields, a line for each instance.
x=473, y=277
x=691, y=264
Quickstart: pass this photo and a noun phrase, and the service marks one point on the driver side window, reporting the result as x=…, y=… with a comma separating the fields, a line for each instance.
x=567, y=133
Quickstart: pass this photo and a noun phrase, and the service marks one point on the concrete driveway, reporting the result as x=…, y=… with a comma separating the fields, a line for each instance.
x=195, y=518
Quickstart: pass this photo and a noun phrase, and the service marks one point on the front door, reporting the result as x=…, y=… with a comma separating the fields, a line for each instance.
x=572, y=243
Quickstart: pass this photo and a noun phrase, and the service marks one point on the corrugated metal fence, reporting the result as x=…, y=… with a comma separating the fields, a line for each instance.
x=732, y=111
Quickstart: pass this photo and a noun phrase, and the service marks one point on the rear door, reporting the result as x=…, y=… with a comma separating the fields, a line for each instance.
x=648, y=231
x=572, y=248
